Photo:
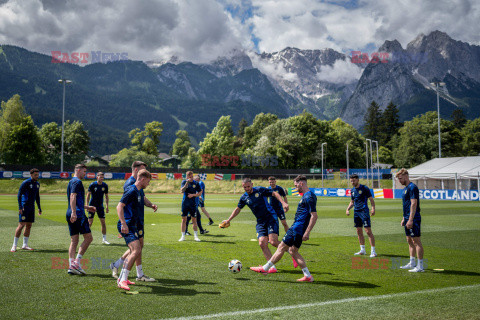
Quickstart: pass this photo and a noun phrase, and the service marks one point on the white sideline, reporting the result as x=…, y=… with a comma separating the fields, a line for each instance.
x=323, y=303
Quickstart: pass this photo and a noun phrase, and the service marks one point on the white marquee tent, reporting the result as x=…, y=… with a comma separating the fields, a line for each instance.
x=461, y=173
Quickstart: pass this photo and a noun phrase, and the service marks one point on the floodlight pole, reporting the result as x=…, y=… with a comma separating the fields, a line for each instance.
x=322, y=161
x=64, y=82
x=348, y=168
x=366, y=157
x=371, y=161
x=369, y=141
x=437, y=84
x=378, y=167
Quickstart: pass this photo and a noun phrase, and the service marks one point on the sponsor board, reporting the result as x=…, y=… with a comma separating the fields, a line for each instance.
x=46, y=175
x=108, y=175
x=8, y=174
x=90, y=175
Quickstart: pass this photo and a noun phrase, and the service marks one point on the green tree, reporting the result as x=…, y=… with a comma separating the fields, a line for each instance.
x=76, y=142
x=458, y=118
x=241, y=127
x=389, y=124
x=385, y=155
x=22, y=144
x=345, y=133
x=182, y=144
x=125, y=158
x=373, y=121
x=12, y=113
x=192, y=160
x=220, y=141
x=253, y=132
x=148, y=139
x=471, y=137
x=417, y=140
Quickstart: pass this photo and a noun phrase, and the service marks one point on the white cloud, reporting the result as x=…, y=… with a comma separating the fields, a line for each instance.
x=195, y=30
x=311, y=24
x=342, y=72
x=275, y=71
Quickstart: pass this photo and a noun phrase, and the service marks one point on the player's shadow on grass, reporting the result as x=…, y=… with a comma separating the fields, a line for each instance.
x=342, y=284
x=182, y=282
x=172, y=291
x=310, y=244
x=296, y=271
x=458, y=273
x=390, y=255
x=215, y=241
x=217, y=236
x=51, y=250
x=110, y=245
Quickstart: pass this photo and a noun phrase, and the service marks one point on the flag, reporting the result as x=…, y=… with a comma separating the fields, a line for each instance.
x=162, y=176
x=178, y=176
x=293, y=191
x=218, y=176
x=170, y=176
x=378, y=193
x=203, y=176
x=155, y=176
x=227, y=177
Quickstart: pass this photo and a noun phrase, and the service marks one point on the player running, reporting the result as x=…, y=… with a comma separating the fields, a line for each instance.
x=276, y=205
x=191, y=191
x=411, y=221
x=361, y=216
x=305, y=219
x=77, y=221
x=28, y=194
x=128, y=210
x=137, y=166
x=256, y=198
x=96, y=190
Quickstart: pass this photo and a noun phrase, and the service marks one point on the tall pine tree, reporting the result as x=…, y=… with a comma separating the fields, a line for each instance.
x=373, y=121
x=389, y=124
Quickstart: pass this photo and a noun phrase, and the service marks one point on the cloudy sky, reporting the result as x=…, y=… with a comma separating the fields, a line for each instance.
x=200, y=30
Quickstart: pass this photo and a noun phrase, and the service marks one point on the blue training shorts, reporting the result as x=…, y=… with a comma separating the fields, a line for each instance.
x=80, y=226
x=267, y=227
x=293, y=238
x=132, y=234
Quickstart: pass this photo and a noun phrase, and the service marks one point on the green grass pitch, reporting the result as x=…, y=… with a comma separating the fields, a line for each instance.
x=193, y=280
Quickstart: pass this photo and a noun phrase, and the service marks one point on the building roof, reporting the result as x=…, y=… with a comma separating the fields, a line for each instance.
x=464, y=167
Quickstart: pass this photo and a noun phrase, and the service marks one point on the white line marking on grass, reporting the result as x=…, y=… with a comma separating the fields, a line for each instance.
x=319, y=304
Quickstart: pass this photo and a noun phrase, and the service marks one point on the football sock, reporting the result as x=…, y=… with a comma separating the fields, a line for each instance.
x=412, y=261
x=25, y=241
x=195, y=233
x=70, y=261
x=15, y=241
x=268, y=265
x=306, y=273
x=139, y=271
x=373, y=249
x=420, y=263
x=104, y=237
x=118, y=263
x=125, y=273
x=79, y=258
x=362, y=247
x=183, y=234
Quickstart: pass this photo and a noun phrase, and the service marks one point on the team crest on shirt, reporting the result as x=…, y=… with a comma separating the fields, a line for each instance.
x=360, y=192
x=103, y=189
x=31, y=186
x=95, y=189
x=256, y=195
x=140, y=232
x=23, y=217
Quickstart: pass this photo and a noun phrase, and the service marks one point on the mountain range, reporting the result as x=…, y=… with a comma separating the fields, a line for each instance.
x=115, y=97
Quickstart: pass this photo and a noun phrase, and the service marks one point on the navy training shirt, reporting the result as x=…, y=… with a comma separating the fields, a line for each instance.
x=410, y=192
x=257, y=201
x=360, y=197
x=274, y=203
x=193, y=187
x=76, y=186
x=133, y=200
x=306, y=206
x=28, y=193
x=97, y=191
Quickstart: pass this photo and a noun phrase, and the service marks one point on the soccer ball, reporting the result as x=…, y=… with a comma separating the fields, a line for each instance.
x=235, y=266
